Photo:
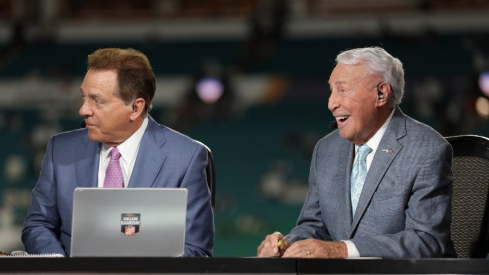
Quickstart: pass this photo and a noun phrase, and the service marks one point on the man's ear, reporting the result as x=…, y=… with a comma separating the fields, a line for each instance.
x=138, y=106
x=383, y=92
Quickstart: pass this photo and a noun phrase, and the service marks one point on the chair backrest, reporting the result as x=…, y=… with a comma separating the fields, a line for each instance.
x=211, y=176
x=470, y=214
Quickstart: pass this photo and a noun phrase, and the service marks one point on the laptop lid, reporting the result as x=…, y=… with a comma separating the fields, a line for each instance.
x=128, y=222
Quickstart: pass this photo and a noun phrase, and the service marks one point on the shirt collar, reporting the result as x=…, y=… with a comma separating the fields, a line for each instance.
x=374, y=142
x=128, y=148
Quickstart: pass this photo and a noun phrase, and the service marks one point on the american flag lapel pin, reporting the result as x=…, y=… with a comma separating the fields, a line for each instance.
x=388, y=151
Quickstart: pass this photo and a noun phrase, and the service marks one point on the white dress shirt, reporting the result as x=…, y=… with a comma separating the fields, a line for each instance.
x=373, y=143
x=129, y=150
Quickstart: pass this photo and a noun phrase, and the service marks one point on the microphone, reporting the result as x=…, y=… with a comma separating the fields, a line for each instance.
x=333, y=124
x=83, y=124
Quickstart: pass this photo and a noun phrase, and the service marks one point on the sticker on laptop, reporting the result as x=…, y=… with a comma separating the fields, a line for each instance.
x=130, y=223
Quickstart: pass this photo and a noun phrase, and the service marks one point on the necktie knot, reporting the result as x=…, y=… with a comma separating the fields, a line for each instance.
x=113, y=174
x=114, y=154
x=363, y=151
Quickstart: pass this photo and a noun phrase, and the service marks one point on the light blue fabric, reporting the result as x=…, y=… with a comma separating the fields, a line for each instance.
x=165, y=159
x=358, y=175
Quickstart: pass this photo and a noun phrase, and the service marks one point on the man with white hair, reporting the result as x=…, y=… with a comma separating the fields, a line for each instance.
x=380, y=185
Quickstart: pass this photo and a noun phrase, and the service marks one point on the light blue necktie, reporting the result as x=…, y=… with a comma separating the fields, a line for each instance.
x=358, y=175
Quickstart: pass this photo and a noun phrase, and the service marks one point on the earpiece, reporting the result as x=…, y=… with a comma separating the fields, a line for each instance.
x=381, y=94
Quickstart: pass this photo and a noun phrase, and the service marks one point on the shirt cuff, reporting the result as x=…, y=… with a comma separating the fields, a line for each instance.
x=352, y=250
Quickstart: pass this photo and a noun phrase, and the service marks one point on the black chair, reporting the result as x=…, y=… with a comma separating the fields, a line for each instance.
x=470, y=201
x=211, y=176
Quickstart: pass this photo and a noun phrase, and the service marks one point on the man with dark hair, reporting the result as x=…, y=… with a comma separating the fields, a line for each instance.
x=380, y=185
x=117, y=92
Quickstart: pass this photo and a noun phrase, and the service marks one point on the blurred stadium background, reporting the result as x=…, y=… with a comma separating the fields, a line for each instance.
x=246, y=77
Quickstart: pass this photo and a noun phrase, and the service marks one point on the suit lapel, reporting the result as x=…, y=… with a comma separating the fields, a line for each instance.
x=388, y=149
x=345, y=188
x=333, y=164
x=87, y=158
x=150, y=157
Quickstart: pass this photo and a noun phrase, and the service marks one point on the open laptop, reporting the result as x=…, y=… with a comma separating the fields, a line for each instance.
x=128, y=222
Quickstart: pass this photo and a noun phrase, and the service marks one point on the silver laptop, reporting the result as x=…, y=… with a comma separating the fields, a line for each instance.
x=128, y=222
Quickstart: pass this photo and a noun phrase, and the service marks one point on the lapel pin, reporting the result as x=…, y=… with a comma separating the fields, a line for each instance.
x=388, y=151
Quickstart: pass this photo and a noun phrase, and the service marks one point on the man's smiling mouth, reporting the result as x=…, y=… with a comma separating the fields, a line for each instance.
x=340, y=119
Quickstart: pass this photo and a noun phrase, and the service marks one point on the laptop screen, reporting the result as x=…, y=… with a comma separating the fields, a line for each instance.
x=128, y=222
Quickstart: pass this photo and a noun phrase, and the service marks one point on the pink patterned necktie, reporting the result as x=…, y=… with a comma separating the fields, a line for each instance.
x=113, y=174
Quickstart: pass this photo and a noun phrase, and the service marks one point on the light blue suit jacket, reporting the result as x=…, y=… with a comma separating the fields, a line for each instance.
x=165, y=159
x=404, y=209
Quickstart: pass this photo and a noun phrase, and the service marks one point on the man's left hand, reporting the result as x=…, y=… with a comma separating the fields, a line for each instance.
x=312, y=248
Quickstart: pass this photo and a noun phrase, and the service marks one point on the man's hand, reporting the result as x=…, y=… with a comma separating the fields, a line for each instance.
x=270, y=246
x=312, y=248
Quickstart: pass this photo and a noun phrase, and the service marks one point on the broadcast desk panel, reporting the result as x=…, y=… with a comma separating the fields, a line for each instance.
x=242, y=266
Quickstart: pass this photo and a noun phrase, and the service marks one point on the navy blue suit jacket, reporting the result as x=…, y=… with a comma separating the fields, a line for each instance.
x=165, y=159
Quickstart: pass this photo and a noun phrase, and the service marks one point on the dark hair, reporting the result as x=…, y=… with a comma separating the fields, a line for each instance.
x=135, y=76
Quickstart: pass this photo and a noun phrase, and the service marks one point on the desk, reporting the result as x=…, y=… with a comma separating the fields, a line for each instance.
x=246, y=266
x=404, y=266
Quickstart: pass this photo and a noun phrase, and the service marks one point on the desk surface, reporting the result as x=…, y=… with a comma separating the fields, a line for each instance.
x=241, y=266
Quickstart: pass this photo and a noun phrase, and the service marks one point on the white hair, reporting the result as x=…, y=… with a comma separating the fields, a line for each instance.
x=378, y=62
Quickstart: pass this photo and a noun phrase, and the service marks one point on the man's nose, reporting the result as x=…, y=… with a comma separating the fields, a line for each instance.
x=332, y=102
x=85, y=109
